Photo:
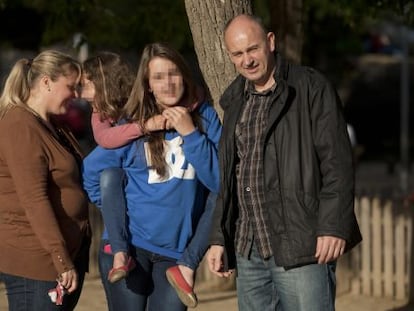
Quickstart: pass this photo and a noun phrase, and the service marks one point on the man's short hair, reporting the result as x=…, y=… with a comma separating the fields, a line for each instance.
x=252, y=17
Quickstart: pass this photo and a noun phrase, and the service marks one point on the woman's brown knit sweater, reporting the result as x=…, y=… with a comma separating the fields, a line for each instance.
x=43, y=208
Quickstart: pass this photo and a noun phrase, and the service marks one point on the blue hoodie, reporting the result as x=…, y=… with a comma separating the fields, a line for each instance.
x=163, y=212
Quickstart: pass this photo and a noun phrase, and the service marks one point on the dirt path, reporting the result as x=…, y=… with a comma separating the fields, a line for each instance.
x=93, y=298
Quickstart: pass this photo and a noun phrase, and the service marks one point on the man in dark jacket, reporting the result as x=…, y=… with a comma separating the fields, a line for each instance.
x=285, y=211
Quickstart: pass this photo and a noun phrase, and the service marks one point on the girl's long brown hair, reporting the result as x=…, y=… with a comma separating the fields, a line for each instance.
x=142, y=105
x=113, y=79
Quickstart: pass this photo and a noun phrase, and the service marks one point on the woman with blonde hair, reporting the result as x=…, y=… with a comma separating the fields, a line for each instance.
x=44, y=210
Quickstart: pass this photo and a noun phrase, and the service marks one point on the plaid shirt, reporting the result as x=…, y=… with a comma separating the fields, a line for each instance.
x=250, y=136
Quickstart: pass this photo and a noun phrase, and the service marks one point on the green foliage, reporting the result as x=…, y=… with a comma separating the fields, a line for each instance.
x=124, y=24
x=357, y=13
x=130, y=24
x=261, y=8
x=335, y=30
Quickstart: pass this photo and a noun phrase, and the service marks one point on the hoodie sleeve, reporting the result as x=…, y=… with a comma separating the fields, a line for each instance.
x=200, y=148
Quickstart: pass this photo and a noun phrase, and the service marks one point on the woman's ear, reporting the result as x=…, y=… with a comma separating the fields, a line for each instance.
x=45, y=83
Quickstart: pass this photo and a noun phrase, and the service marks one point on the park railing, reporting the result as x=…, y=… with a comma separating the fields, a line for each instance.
x=381, y=265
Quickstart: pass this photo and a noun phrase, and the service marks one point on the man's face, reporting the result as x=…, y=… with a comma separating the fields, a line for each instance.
x=251, y=51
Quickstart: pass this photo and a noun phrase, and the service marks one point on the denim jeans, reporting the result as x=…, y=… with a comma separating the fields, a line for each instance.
x=262, y=285
x=116, y=221
x=25, y=294
x=146, y=288
x=113, y=208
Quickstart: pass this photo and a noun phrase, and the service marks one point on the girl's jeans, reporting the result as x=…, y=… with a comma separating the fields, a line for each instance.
x=146, y=287
x=116, y=222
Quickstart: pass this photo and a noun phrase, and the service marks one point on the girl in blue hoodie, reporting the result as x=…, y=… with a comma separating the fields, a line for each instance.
x=168, y=175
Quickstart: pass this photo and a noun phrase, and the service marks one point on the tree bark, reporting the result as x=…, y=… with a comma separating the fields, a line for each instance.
x=287, y=23
x=207, y=20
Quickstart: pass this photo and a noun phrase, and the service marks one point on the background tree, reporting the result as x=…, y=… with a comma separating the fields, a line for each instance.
x=207, y=20
x=286, y=21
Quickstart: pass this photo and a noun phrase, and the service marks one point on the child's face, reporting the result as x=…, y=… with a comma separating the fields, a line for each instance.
x=87, y=90
x=165, y=81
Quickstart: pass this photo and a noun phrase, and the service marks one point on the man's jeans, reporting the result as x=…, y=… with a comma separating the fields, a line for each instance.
x=116, y=222
x=261, y=285
x=146, y=288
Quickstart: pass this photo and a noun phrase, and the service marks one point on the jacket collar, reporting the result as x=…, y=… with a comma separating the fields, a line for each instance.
x=282, y=68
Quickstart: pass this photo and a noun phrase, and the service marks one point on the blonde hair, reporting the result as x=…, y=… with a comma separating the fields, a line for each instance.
x=26, y=72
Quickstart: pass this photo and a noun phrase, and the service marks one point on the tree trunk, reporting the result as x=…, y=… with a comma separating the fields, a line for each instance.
x=207, y=20
x=286, y=22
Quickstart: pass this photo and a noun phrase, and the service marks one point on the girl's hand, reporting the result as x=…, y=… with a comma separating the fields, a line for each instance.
x=180, y=119
x=155, y=123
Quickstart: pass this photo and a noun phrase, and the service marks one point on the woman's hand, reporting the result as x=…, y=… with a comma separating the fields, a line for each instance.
x=69, y=280
x=180, y=119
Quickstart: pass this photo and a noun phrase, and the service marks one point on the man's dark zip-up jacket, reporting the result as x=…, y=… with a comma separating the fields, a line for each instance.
x=309, y=175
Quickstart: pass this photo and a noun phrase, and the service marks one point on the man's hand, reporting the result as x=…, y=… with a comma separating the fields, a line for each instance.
x=214, y=259
x=329, y=248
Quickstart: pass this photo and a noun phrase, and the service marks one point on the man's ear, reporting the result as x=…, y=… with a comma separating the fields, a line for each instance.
x=271, y=41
